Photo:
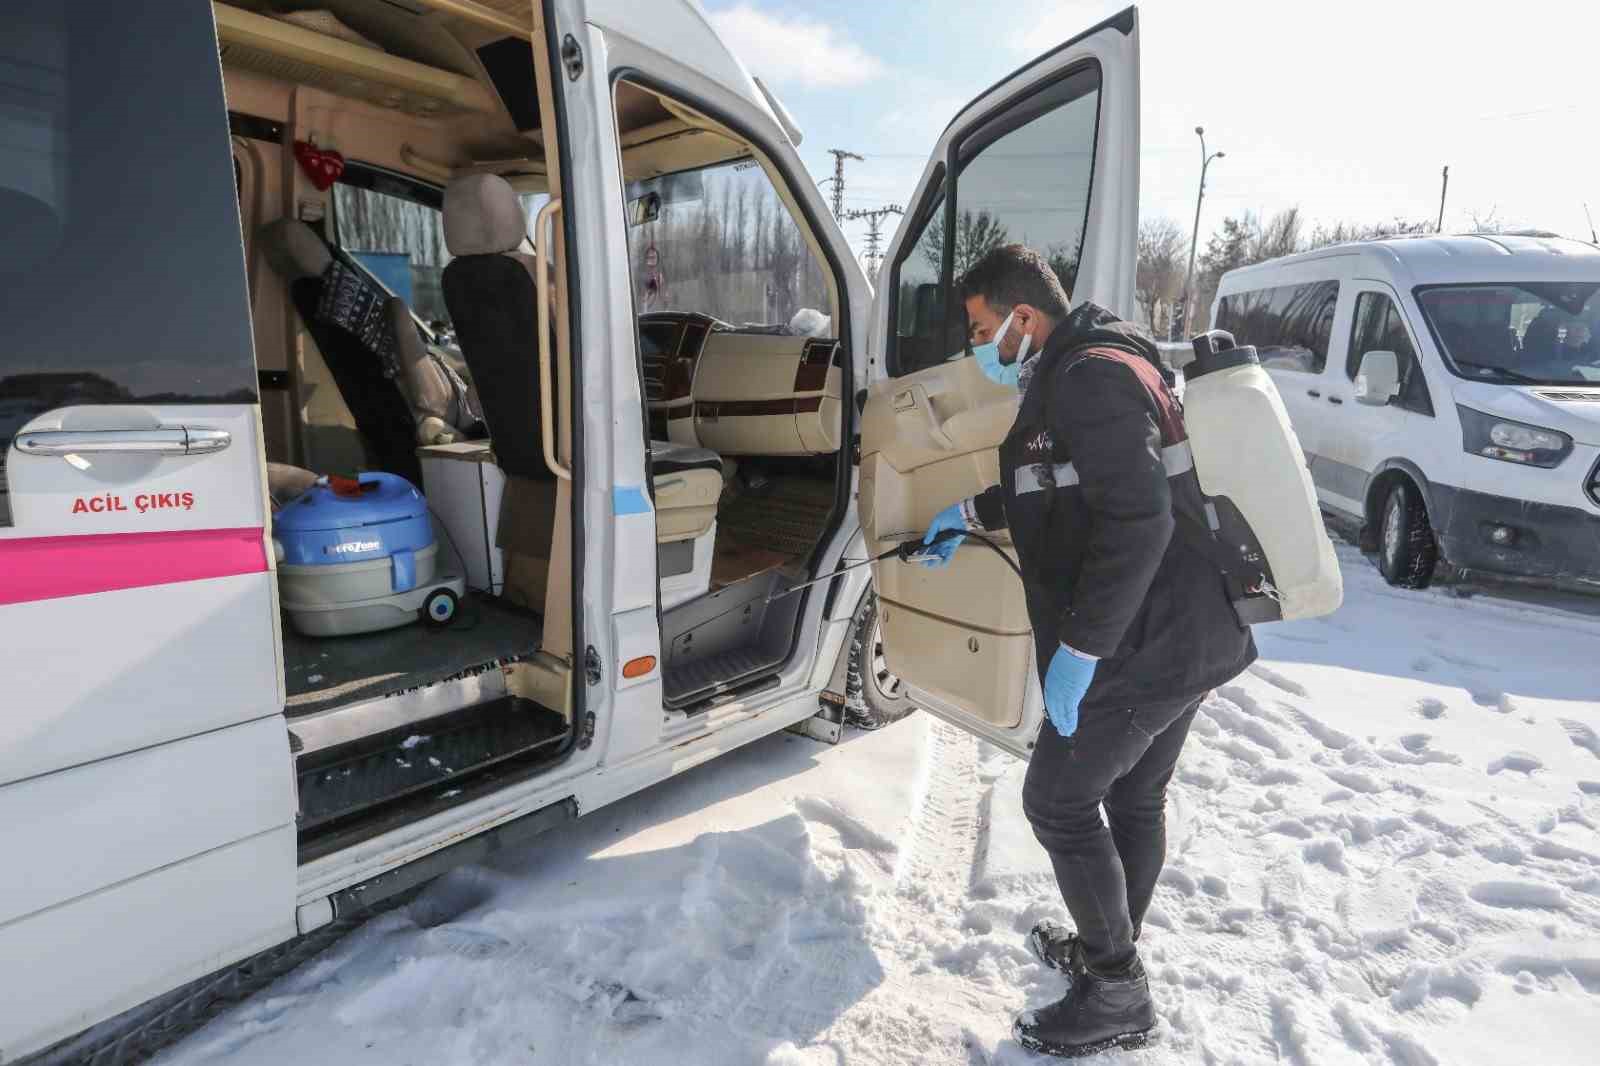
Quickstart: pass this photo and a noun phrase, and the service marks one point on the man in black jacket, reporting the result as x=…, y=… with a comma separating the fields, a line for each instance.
x=1132, y=622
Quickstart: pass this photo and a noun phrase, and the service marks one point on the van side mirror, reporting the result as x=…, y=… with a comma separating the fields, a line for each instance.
x=1378, y=378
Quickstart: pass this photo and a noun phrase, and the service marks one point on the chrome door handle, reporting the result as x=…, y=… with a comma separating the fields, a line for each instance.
x=178, y=440
x=206, y=441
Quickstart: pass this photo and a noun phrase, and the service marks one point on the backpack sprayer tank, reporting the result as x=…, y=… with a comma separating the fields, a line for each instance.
x=1261, y=504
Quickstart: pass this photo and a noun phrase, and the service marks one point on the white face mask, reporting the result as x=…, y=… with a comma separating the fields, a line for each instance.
x=1022, y=351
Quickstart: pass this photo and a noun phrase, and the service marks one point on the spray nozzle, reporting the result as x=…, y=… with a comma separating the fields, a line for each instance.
x=913, y=549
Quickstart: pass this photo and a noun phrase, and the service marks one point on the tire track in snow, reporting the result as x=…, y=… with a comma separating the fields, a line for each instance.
x=926, y=943
x=944, y=834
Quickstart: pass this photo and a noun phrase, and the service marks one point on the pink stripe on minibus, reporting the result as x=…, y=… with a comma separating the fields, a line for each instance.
x=48, y=568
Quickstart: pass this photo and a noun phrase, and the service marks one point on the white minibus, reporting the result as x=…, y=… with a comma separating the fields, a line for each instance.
x=428, y=421
x=1446, y=391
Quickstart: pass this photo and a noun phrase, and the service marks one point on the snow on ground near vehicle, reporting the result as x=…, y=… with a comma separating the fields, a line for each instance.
x=1383, y=849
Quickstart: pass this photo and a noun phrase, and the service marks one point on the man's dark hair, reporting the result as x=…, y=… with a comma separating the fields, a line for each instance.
x=1013, y=274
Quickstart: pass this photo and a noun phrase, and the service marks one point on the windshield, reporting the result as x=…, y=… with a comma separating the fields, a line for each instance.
x=724, y=245
x=1521, y=332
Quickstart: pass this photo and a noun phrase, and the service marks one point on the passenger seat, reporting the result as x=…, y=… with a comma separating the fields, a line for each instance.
x=688, y=485
x=397, y=392
x=490, y=291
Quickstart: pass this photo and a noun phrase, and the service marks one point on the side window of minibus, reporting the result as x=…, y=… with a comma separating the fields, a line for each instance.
x=1377, y=325
x=1023, y=176
x=1289, y=325
x=83, y=324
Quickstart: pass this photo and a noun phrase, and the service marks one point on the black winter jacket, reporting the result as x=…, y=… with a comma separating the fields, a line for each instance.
x=1090, y=476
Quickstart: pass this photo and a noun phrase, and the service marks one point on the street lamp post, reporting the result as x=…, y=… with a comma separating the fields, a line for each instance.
x=1205, y=162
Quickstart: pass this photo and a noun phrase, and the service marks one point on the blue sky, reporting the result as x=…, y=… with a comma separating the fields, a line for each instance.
x=1347, y=111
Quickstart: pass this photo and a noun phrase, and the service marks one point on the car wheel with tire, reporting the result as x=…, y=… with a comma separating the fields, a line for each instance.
x=1407, y=549
x=874, y=697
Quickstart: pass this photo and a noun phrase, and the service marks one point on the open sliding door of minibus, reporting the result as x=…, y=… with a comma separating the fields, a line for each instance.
x=146, y=794
x=1050, y=157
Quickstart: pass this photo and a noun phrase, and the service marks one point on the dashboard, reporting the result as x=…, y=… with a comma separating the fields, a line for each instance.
x=739, y=392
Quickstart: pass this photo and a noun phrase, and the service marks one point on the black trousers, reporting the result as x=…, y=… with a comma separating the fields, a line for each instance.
x=1122, y=759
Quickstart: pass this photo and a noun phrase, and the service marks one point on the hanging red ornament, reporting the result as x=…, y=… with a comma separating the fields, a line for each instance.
x=322, y=165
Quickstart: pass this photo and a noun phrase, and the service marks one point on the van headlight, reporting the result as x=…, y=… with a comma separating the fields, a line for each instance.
x=1511, y=442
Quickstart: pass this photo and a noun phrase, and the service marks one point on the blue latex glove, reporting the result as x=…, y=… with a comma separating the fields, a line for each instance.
x=1065, y=682
x=938, y=555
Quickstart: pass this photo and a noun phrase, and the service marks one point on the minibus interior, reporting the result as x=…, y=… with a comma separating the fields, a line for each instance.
x=391, y=160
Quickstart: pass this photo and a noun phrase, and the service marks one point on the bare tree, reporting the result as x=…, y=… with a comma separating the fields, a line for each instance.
x=1240, y=242
x=1487, y=222
x=1278, y=235
x=1232, y=246
x=1064, y=262
x=1161, y=263
x=1343, y=232
x=736, y=244
x=976, y=234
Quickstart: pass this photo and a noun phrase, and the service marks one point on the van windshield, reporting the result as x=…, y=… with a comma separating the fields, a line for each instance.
x=1518, y=332
x=725, y=245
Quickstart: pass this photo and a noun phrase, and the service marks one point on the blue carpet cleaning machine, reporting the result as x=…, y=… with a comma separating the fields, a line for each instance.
x=359, y=555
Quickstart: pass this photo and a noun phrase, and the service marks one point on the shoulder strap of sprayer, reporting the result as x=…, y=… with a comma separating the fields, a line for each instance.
x=1195, y=533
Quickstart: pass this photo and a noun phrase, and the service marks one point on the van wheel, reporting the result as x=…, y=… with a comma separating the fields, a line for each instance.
x=874, y=697
x=1407, y=550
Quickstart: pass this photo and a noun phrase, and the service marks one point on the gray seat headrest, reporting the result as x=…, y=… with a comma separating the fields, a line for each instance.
x=482, y=216
x=294, y=249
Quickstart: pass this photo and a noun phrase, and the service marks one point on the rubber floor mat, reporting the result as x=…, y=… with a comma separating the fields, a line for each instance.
x=789, y=517
x=323, y=672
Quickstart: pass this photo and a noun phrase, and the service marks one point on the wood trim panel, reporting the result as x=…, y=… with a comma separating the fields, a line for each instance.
x=812, y=373
x=747, y=408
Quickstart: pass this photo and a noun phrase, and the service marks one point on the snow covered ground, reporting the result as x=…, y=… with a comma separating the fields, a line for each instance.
x=1384, y=849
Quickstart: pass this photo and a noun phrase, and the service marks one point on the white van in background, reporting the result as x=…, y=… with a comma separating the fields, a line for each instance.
x=1446, y=391
x=224, y=279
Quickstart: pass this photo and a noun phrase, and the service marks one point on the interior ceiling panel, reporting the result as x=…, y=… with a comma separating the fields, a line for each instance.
x=372, y=91
x=280, y=50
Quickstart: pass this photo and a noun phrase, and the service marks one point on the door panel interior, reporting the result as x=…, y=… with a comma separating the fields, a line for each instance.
x=1049, y=156
x=928, y=440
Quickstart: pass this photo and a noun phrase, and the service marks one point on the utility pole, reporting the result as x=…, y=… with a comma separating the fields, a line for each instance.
x=1443, y=188
x=1194, y=244
x=875, y=217
x=839, y=156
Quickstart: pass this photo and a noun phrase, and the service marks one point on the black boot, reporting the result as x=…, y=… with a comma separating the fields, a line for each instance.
x=1098, y=1013
x=1057, y=947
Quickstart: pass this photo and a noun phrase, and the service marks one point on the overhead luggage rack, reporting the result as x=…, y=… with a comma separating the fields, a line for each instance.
x=294, y=54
